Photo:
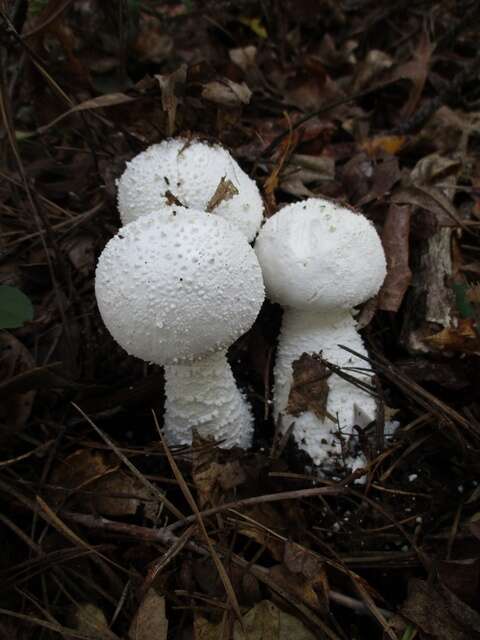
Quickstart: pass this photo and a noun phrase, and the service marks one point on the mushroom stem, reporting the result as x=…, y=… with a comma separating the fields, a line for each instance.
x=203, y=395
x=313, y=332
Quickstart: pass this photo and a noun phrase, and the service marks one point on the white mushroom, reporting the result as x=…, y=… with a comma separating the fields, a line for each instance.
x=319, y=260
x=176, y=288
x=191, y=172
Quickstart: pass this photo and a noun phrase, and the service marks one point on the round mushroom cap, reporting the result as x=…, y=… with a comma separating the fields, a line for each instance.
x=191, y=171
x=317, y=255
x=178, y=285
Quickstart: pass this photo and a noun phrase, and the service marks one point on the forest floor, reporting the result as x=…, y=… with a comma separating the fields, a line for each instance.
x=105, y=532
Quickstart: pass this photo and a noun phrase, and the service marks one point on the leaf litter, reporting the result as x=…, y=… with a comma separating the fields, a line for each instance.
x=106, y=532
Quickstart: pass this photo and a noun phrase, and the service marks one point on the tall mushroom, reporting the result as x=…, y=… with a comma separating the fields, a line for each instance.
x=319, y=260
x=176, y=288
x=194, y=174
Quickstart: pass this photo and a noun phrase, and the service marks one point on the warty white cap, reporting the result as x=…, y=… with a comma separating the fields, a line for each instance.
x=177, y=285
x=191, y=171
x=317, y=255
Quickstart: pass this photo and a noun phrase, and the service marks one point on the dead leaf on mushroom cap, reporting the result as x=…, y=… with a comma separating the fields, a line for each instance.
x=309, y=390
x=225, y=190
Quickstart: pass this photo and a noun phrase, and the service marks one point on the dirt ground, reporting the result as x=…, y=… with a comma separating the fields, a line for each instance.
x=106, y=533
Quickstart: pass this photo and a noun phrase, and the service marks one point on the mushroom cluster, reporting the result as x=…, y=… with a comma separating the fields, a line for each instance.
x=177, y=286
x=180, y=282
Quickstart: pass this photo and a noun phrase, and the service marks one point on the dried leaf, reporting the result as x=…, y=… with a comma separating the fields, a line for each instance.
x=15, y=359
x=243, y=57
x=150, y=621
x=462, y=577
x=171, y=85
x=384, y=144
x=90, y=620
x=100, y=102
x=109, y=500
x=79, y=470
x=309, y=390
x=261, y=522
x=152, y=42
x=439, y=613
x=172, y=199
x=227, y=92
x=267, y=622
x=312, y=591
x=461, y=337
x=226, y=190
x=416, y=70
x=375, y=63
x=264, y=622
x=385, y=173
x=298, y=559
x=81, y=251
x=473, y=294
x=303, y=170
x=395, y=239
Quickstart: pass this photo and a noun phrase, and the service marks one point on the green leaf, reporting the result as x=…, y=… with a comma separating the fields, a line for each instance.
x=463, y=304
x=15, y=308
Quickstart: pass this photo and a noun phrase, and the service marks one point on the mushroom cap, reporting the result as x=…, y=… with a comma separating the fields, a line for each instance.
x=320, y=256
x=192, y=172
x=178, y=285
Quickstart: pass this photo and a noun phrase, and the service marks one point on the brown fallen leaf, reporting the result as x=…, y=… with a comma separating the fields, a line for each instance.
x=150, y=621
x=243, y=57
x=416, y=70
x=439, y=613
x=312, y=591
x=395, y=239
x=121, y=494
x=368, y=70
x=385, y=174
x=267, y=622
x=152, y=43
x=15, y=407
x=298, y=559
x=172, y=85
x=261, y=523
x=309, y=390
x=473, y=294
x=264, y=622
x=227, y=92
x=88, y=619
x=110, y=491
x=81, y=252
x=383, y=144
x=462, y=577
x=205, y=471
x=225, y=190
x=303, y=170
x=462, y=337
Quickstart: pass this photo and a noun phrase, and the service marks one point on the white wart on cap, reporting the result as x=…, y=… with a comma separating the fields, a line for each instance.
x=191, y=171
x=177, y=285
